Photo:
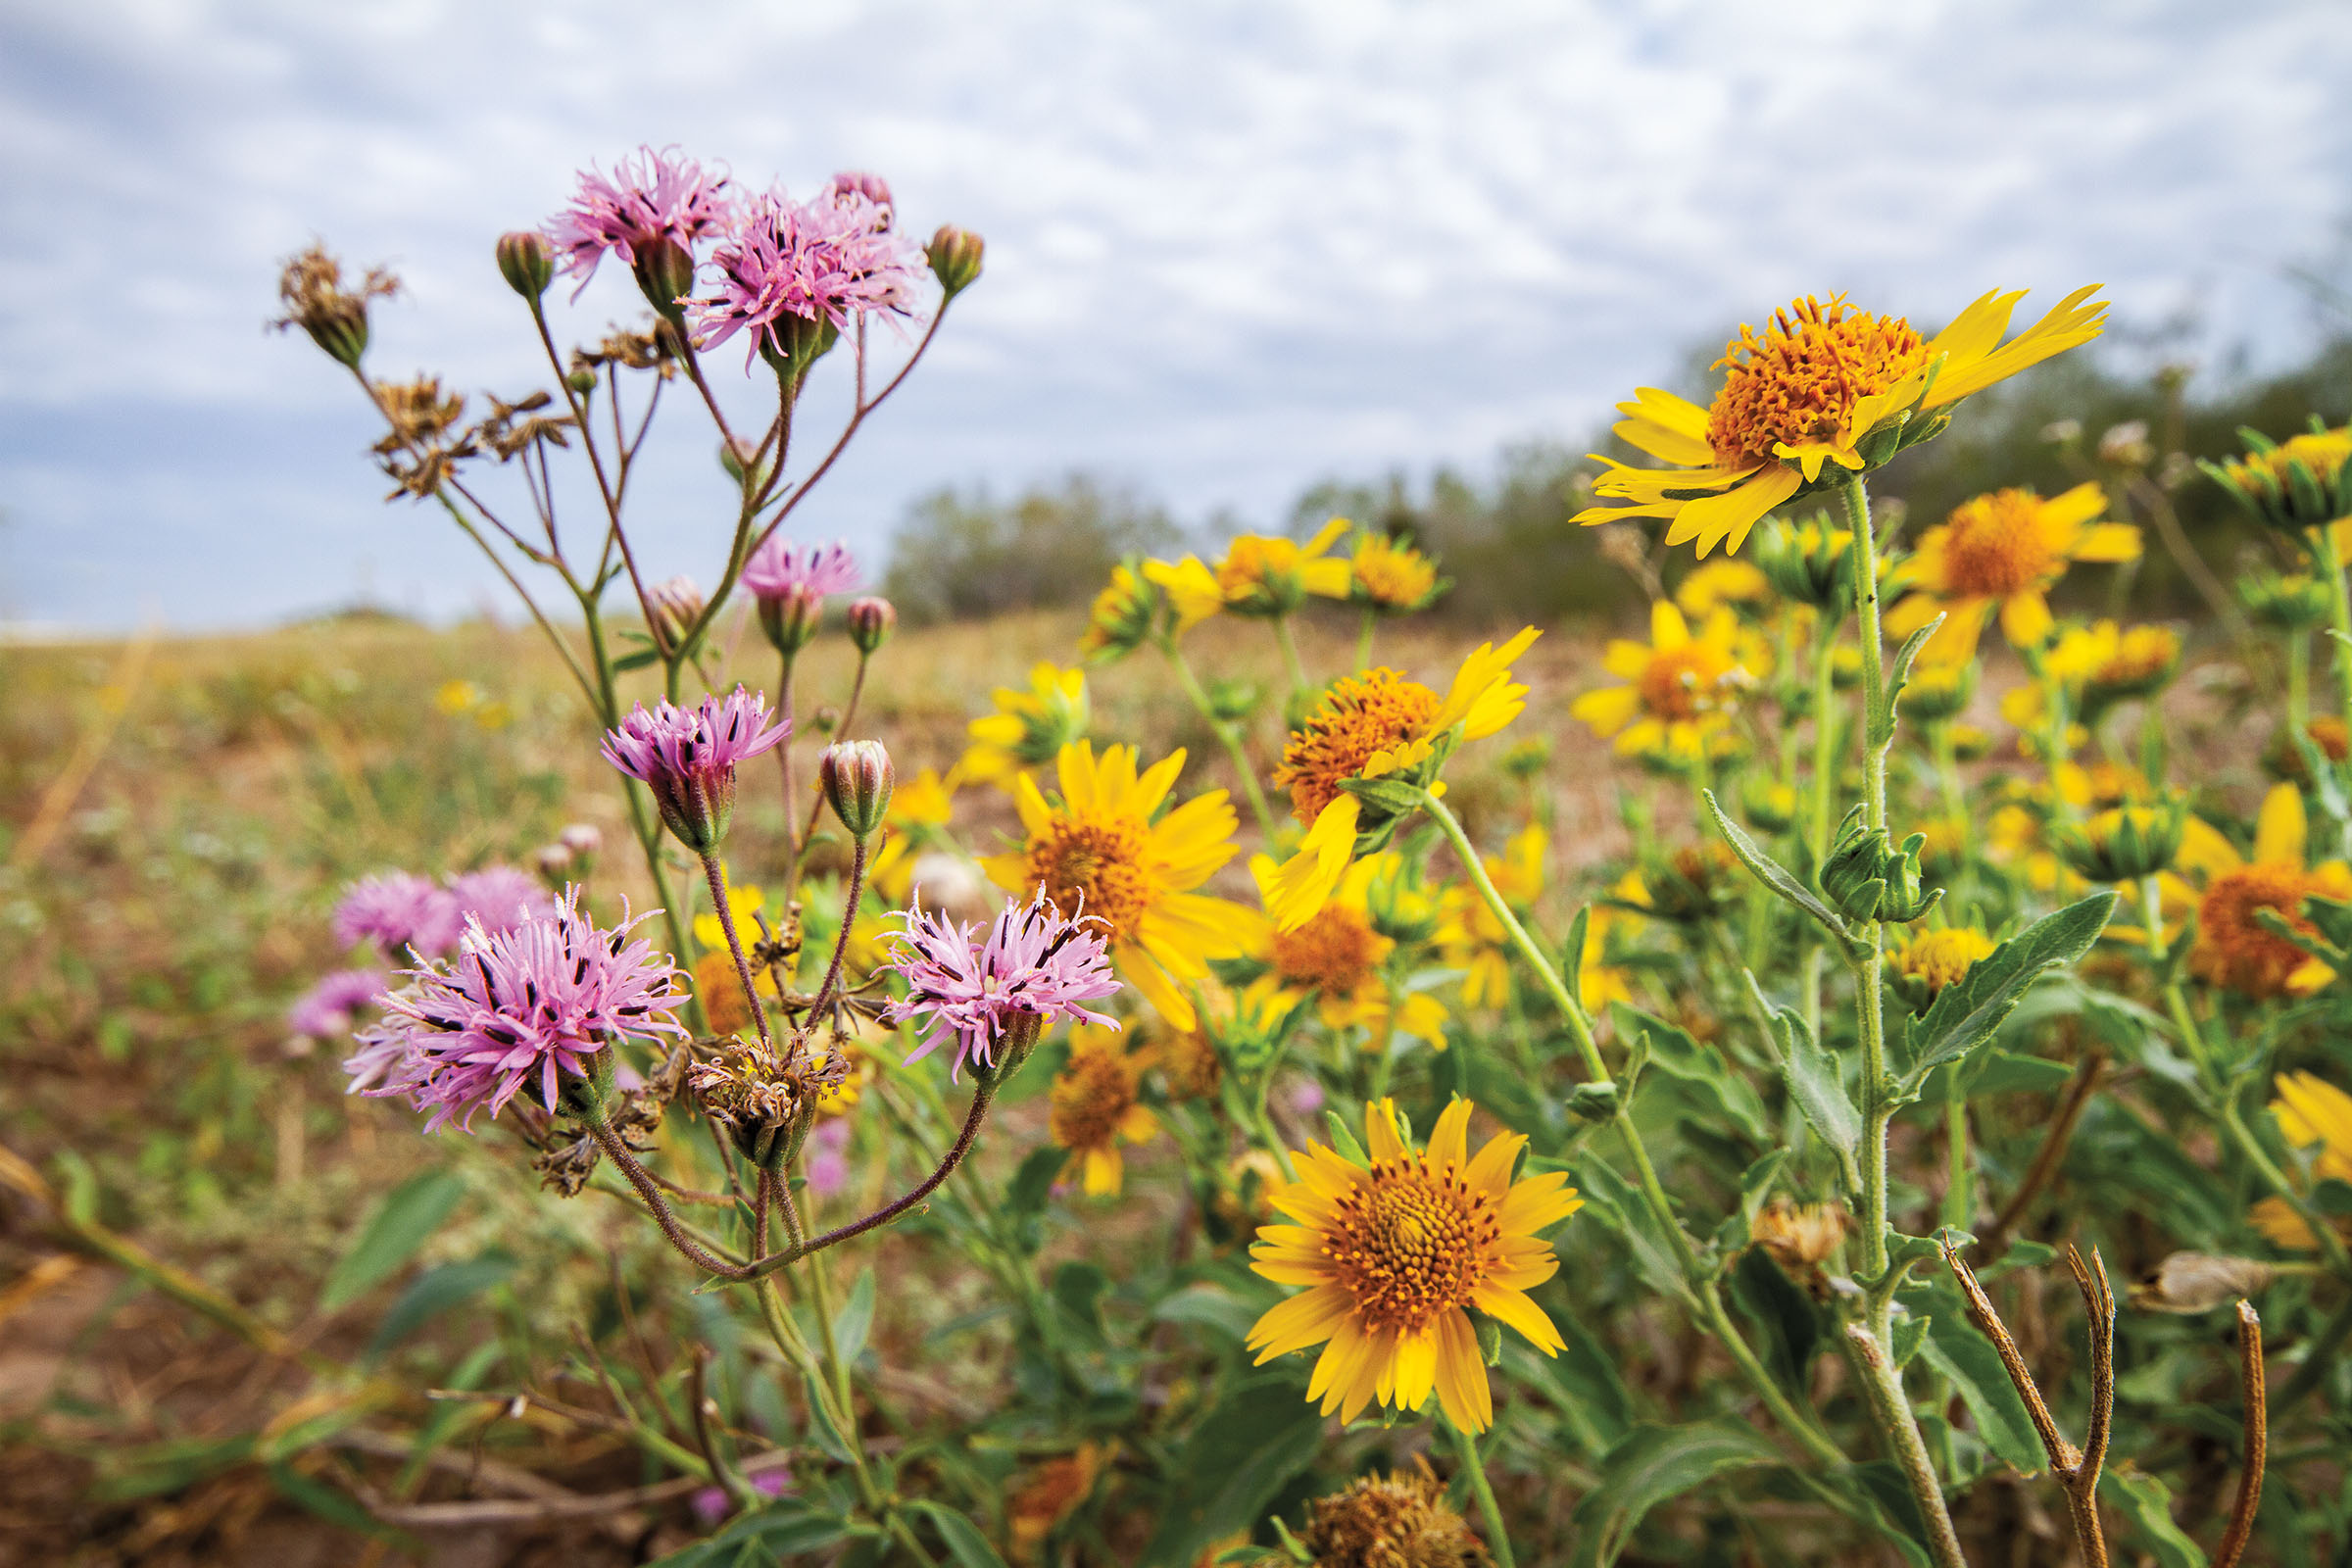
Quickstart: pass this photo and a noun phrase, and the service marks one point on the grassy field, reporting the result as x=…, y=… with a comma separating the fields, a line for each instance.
x=176, y=822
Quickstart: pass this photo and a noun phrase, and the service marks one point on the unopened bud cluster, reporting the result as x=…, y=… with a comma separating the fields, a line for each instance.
x=857, y=780
x=1868, y=878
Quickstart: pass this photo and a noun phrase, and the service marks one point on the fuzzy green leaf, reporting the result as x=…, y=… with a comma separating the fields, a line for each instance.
x=1969, y=1011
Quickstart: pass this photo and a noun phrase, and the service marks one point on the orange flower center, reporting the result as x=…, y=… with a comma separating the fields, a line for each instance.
x=1336, y=951
x=1801, y=378
x=1681, y=683
x=1411, y=1242
x=2233, y=949
x=1997, y=545
x=1097, y=863
x=1090, y=1098
x=1375, y=711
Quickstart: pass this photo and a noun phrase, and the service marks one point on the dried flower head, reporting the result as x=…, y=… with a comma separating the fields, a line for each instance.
x=1799, y=1236
x=539, y=1005
x=1400, y=1520
x=765, y=1099
x=688, y=757
x=997, y=995
x=311, y=288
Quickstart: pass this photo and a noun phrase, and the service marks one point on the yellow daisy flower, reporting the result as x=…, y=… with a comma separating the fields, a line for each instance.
x=721, y=989
x=1678, y=690
x=1825, y=383
x=1336, y=957
x=2294, y=484
x=1105, y=849
x=1725, y=584
x=1192, y=589
x=1390, y=578
x=2003, y=550
x=2310, y=1110
x=1029, y=728
x=1259, y=574
x=2233, y=949
x=1120, y=618
x=1396, y=1253
x=841, y=1098
x=1931, y=959
x=1377, y=726
x=1095, y=1105
x=743, y=901
x=1470, y=937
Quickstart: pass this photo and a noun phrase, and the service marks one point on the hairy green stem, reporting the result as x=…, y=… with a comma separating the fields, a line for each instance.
x=1498, y=1538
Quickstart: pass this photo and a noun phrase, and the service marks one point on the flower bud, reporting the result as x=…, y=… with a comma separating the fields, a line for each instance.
x=664, y=272
x=524, y=262
x=2199, y=1282
x=553, y=862
x=954, y=257
x=872, y=620
x=2302, y=483
x=739, y=457
x=792, y=619
x=673, y=606
x=1936, y=693
x=582, y=381
x=582, y=839
x=1869, y=879
x=856, y=778
x=2124, y=843
x=1232, y=699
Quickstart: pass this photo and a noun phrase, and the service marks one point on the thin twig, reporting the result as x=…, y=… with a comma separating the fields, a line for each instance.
x=2258, y=1428
x=2077, y=1469
x=2051, y=1154
x=537, y=1510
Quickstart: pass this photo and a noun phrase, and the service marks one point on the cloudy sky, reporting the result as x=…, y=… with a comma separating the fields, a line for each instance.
x=1233, y=245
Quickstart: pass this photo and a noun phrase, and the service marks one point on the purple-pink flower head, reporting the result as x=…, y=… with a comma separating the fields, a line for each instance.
x=522, y=1008
x=791, y=273
x=1034, y=966
x=652, y=208
x=789, y=584
x=872, y=189
x=326, y=1011
x=499, y=897
x=688, y=757
x=401, y=911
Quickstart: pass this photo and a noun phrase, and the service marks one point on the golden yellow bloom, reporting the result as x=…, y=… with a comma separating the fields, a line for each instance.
x=1044, y=1501
x=721, y=989
x=1338, y=956
x=1678, y=690
x=1100, y=852
x=1396, y=1253
x=1400, y=1520
x=1825, y=383
x=2003, y=550
x=1691, y=883
x=1932, y=959
x=1095, y=1107
x=841, y=1098
x=1258, y=574
x=2295, y=484
x=2233, y=949
x=1029, y=728
x=1725, y=584
x=2310, y=1110
x=1189, y=1062
x=1390, y=577
x=456, y=698
x=1120, y=618
x=1377, y=726
x=743, y=901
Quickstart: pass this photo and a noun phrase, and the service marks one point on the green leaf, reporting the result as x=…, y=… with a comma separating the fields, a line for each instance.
x=964, y=1542
x=1206, y=1306
x=403, y=1223
x=1618, y=1204
x=1583, y=1383
x=1723, y=1098
x=1033, y=1183
x=1789, y=1319
x=1898, y=675
x=1343, y=1142
x=1078, y=1289
x=1572, y=951
x=1778, y=877
x=1653, y=1464
x=1974, y=1368
x=434, y=1292
x=327, y=1502
x=1817, y=1083
x=782, y=1529
x=857, y=1318
x=2147, y=1502
x=1240, y=1455
x=1910, y=1333
x=1967, y=1012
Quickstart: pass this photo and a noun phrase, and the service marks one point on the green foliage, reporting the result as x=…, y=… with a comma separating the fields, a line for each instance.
x=970, y=555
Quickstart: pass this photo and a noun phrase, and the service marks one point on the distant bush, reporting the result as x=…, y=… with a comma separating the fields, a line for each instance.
x=966, y=556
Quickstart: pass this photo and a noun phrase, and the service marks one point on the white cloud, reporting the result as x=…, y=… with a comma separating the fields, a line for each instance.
x=1233, y=246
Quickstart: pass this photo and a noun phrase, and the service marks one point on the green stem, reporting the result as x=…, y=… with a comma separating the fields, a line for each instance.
x=2298, y=680
x=1499, y=1540
x=1363, y=643
x=2317, y=1363
x=1226, y=733
x=1290, y=655
x=1876, y=1333
x=1960, y=1190
x=2340, y=609
x=641, y=820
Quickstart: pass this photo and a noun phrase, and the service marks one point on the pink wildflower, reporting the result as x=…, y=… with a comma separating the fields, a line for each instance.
x=688, y=757
x=820, y=261
x=401, y=911
x=654, y=199
x=779, y=569
x=1034, y=966
x=326, y=1010
x=827, y=1165
x=531, y=1005
x=499, y=897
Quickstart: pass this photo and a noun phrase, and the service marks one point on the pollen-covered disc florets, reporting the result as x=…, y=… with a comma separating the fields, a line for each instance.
x=1359, y=717
x=993, y=996
x=1796, y=383
x=687, y=758
x=540, y=1006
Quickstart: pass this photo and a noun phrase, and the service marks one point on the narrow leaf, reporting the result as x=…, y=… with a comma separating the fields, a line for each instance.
x=1967, y=1358
x=1778, y=877
x=403, y=1223
x=1817, y=1084
x=1967, y=1012
x=857, y=1318
x=1655, y=1463
x=964, y=1542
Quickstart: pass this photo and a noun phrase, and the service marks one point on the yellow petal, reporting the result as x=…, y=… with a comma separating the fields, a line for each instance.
x=1379, y=1130
x=1669, y=445
x=1462, y=1374
x=1450, y=1139
x=1729, y=516
x=2025, y=619
x=2280, y=831
x=1516, y=1309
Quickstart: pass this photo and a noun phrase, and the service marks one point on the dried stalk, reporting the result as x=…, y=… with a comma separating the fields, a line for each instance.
x=2046, y=1158
x=2077, y=1469
x=2250, y=1486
